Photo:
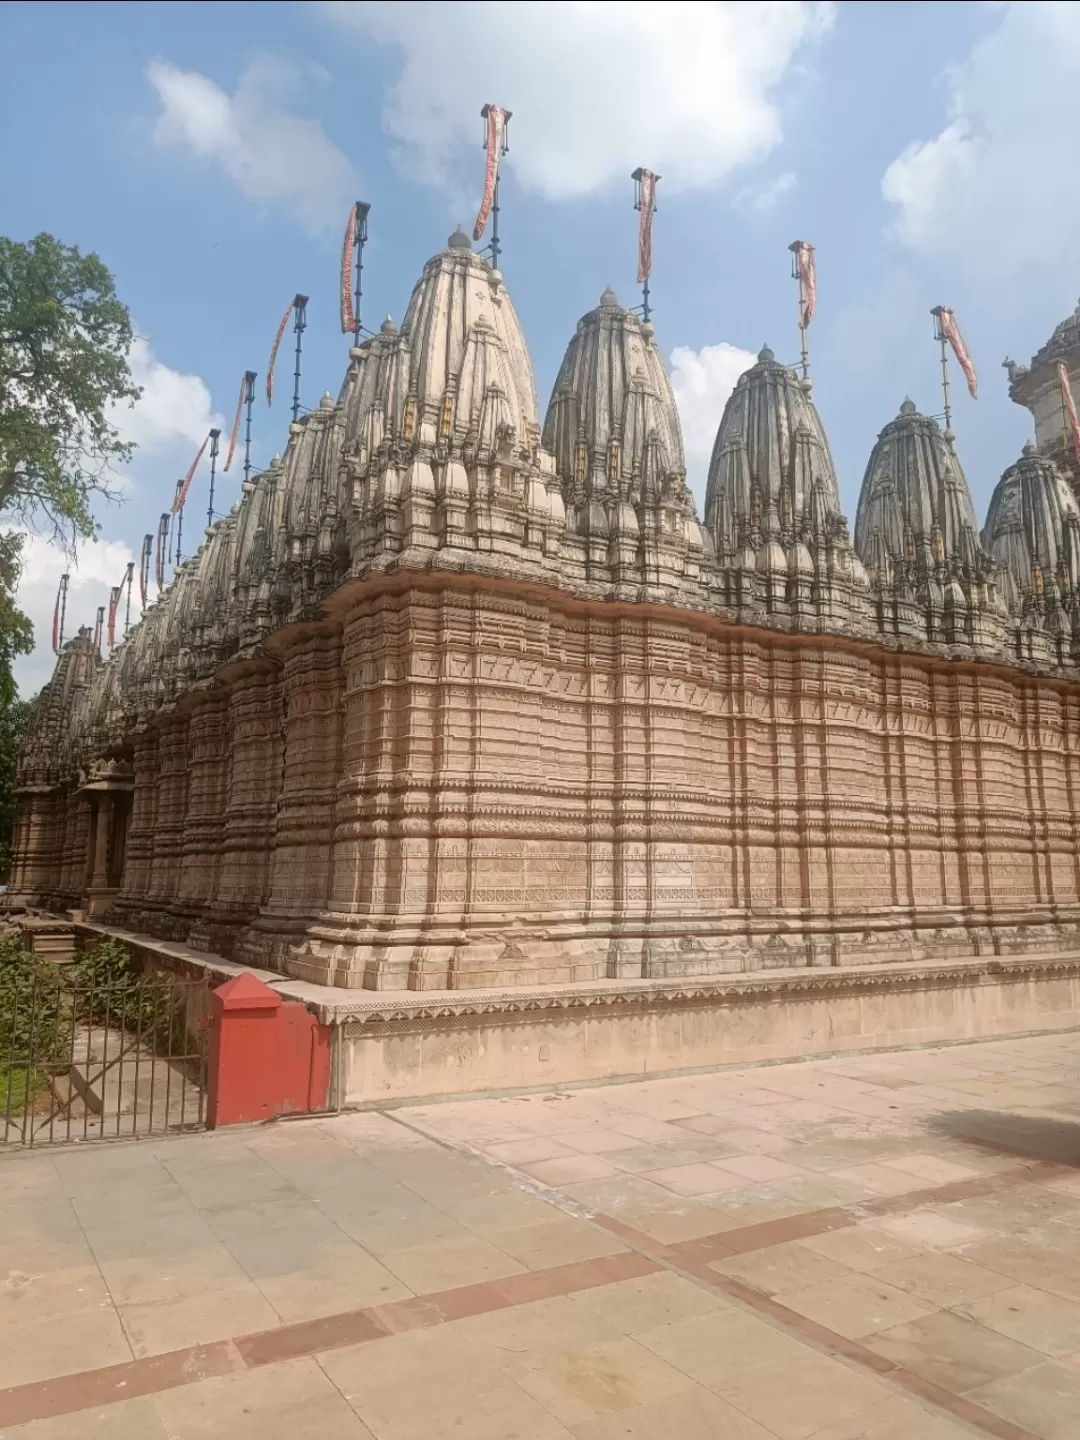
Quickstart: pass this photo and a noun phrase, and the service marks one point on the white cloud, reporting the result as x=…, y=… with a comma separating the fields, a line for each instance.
x=994, y=185
x=687, y=88
x=173, y=407
x=271, y=155
x=702, y=381
x=762, y=200
x=98, y=567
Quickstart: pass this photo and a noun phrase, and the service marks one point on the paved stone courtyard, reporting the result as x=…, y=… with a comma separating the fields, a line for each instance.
x=886, y=1246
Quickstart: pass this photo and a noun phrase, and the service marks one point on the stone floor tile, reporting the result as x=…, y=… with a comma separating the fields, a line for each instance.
x=531, y=1149
x=758, y=1167
x=721, y=1345
x=1045, y=1399
x=856, y=1305
x=896, y=1419
x=794, y=1399
x=559, y=1323
x=213, y=1312
x=743, y=1138
x=577, y=1384
x=39, y=1348
x=561, y=1240
x=878, y=1179
x=953, y=1351
x=126, y=1420
x=931, y=1169
x=342, y=1279
x=691, y=1414
x=1028, y=1259
x=296, y=1400
x=570, y=1170
x=594, y=1141
x=427, y=1268
x=862, y=1247
x=927, y=1227
x=50, y=1294
x=945, y=1280
x=701, y=1178
x=634, y=1306
x=789, y=1266
x=1037, y=1318
x=428, y=1384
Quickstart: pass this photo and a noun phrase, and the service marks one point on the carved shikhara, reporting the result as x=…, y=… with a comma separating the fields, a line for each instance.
x=436, y=708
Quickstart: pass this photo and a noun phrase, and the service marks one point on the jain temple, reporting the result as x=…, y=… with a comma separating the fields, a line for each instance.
x=463, y=710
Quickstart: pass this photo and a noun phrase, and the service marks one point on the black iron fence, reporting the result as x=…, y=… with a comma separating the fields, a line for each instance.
x=88, y=1056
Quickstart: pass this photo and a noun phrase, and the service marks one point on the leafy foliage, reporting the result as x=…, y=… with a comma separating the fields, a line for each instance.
x=64, y=343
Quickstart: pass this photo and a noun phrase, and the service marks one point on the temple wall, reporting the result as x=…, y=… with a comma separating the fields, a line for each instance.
x=471, y=787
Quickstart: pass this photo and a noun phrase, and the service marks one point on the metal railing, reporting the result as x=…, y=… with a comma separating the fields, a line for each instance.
x=84, y=1059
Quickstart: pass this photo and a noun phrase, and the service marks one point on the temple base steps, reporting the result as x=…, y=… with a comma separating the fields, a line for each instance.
x=401, y=1045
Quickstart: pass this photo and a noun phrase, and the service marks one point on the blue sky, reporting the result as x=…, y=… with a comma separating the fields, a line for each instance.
x=209, y=152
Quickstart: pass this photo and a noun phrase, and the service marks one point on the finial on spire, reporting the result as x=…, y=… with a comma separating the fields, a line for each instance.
x=645, y=183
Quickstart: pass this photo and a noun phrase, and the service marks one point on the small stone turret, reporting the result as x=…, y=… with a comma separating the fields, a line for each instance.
x=772, y=504
x=917, y=535
x=1032, y=532
x=614, y=432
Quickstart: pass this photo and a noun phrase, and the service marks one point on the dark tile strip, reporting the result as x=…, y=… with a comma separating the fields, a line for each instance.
x=88, y=1389
x=952, y=1404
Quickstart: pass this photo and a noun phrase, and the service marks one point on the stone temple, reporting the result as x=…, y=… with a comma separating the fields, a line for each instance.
x=459, y=697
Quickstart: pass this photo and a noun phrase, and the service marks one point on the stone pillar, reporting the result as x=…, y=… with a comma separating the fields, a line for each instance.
x=98, y=893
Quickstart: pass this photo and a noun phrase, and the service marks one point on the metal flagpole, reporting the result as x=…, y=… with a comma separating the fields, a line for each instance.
x=65, y=580
x=299, y=326
x=797, y=274
x=127, y=616
x=215, y=435
x=179, y=512
x=362, y=210
x=939, y=335
x=249, y=400
x=99, y=630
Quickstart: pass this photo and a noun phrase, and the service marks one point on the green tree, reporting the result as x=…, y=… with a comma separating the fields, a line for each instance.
x=64, y=344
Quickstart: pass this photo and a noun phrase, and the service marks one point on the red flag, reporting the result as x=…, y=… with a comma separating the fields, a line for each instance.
x=185, y=484
x=1069, y=404
x=159, y=558
x=647, y=206
x=807, y=270
x=951, y=332
x=236, y=422
x=496, y=143
x=273, y=355
x=348, y=315
x=114, y=601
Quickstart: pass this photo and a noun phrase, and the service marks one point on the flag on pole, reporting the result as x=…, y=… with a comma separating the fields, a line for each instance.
x=159, y=557
x=807, y=271
x=236, y=422
x=273, y=353
x=647, y=206
x=951, y=332
x=114, y=602
x=496, y=142
x=348, y=314
x=144, y=566
x=1069, y=404
x=185, y=484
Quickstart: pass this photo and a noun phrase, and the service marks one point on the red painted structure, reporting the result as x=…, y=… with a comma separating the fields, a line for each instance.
x=268, y=1056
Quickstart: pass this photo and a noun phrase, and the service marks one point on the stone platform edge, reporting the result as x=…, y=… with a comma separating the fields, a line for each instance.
x=338, y=1006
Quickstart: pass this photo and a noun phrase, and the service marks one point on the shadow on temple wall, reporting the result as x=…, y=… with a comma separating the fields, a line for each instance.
x=1029, y=1137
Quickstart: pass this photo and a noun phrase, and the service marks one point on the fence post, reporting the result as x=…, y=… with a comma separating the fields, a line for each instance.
x=268, y=1056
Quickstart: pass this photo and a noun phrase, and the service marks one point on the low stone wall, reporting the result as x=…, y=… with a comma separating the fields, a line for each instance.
x=603, y=1032
x=387, y=1048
